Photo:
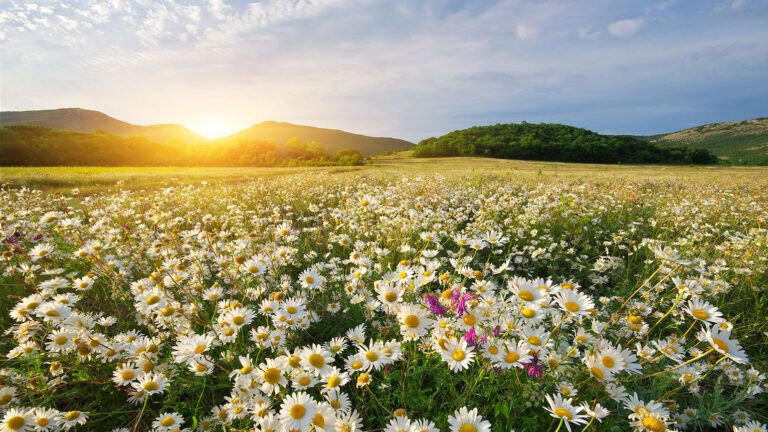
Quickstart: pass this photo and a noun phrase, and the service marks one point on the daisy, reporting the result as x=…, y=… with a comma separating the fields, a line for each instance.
x=414, y=321
x=270, y=375
x=151, y=383
x=168, y=422
x=74, y=418
x=348, y=422
x=125, y=374
x=47, y=419
x=316, y=358
x=311, y=279
x=721, y=341
x=575, y=303
x=297, y=411
x=399, y=424
x=18, y=420
x=464, y=420
x=513, y=355
x=458, y=355
x=563, y=409
x=703, y=311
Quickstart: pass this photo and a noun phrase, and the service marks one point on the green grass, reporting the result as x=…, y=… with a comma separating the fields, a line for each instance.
x=102, y=179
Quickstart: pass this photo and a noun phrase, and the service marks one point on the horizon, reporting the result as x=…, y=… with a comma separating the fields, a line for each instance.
x=392, y=69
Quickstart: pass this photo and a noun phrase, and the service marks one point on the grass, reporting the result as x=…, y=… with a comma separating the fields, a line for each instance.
x=101, y=179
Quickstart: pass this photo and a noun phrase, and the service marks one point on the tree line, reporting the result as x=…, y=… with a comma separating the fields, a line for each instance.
x=41, y=146
x=556, y=142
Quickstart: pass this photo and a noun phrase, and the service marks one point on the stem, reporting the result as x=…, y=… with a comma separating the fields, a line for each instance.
x=141, y=413
x=588, y=424
x=559, y=425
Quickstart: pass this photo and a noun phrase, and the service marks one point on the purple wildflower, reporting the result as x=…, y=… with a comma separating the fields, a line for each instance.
x=434, y=305
x=471, y=336
x=535, y=370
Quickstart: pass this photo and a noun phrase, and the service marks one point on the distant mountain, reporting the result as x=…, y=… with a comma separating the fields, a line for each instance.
x=331, y=139
x=555, y=142
x=742, y=142
x=82, y=120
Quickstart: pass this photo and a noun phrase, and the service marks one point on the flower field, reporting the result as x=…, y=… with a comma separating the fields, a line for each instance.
x=370, y=300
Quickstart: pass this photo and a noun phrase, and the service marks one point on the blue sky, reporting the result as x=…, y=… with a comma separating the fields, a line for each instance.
x=409, y=69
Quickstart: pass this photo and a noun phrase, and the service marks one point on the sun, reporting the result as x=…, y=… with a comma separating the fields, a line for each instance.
x=212, y=129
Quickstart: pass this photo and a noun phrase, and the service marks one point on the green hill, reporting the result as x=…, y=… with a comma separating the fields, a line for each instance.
x=331, y=139
x=742, y=143
x=555, y=142
x=82, y=120
x=22, y=145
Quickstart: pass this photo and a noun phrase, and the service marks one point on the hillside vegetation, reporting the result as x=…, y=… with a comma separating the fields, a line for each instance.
x=278, y=133
x=40, y=146
x=555, y=142
x=331, y=139
x=83, y=120
x=741, y=143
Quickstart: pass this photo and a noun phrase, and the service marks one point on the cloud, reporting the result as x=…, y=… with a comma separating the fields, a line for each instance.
x=738, y=5
x=525, y=32
x=626, y=27
x=588, y=32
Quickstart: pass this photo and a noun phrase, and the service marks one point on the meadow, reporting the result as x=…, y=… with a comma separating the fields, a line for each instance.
x=458, y=294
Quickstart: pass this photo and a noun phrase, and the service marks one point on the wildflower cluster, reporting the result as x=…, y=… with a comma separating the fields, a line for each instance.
x=331, y=304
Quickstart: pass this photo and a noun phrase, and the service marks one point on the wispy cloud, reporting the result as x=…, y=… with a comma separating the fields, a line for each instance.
x=625, y=27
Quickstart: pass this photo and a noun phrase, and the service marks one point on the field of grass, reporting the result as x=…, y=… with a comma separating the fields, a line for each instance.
x=461, y=295
x=95, y=179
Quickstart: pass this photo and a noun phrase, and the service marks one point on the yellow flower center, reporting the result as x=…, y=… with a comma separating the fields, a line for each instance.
x=469, y=319
x=511, y=357
x=151, y=386
x=467, y=427
x=458, y=355
x=238, y=320
x=390, y=296
x=72, y=415
x=316, y=360
x=720, y=344
x=318, y=420
x=608, y=362
x=563, y=413
x=200, y=348
x=334, y=382
x=529, y=313
x=245, y=370
x=525, y=295
x=653, y=424
x=167, y=421
x=42, y=421
x=310, y=280
x=371, y=356
x=298, y=411
x=15, y=423
x=572, y=306
x=61, y=340
x=305, y=380
x=534, y=340
x=127, y=375
x=291, y=309
x=597, y=372
x=272, y=375
x=700, y=314
x=411, y=321
x=152, y=300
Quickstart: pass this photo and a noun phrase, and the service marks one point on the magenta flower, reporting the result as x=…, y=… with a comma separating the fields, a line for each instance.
x=434, y=305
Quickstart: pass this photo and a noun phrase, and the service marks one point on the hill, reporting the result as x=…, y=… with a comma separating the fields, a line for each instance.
x=82, y=120
x=22, y=145
x=555, y=142
x=331, y=139
x=742, y=142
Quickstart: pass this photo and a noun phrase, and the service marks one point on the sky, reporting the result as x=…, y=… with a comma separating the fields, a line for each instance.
x=404, y=68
